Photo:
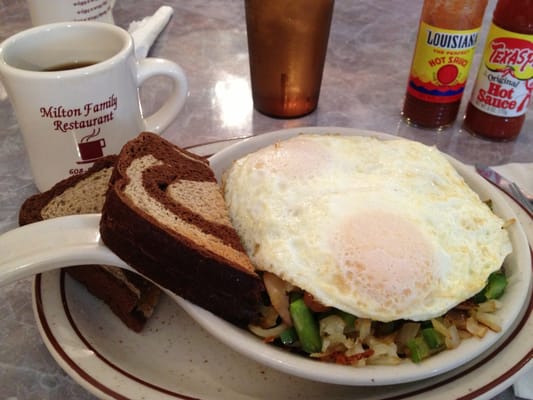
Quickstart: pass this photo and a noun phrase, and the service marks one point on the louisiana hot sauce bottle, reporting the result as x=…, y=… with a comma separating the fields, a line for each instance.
x=504, y=83
x=446, y=41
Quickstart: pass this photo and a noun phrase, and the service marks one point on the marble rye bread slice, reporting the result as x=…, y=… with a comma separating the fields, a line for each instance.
x=130, y=297
x=165, y=216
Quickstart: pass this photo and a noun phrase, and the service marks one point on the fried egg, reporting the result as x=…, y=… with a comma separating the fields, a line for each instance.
x=381, y=229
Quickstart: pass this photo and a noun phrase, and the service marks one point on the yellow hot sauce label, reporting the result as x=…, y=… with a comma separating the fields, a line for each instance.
x=504, y=84
x=441, y=63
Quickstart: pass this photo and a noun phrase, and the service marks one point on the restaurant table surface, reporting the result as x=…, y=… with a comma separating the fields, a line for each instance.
x=369, y=55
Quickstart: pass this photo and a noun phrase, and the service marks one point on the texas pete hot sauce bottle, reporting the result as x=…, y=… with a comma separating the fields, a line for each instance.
x=446, y=41
x=504, y=84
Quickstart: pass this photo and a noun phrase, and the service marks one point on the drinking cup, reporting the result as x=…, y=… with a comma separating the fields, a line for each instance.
x=287, y=44
x=50, y=11
x=74, y=87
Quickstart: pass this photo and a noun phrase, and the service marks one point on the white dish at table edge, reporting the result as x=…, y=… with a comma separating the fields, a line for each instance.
x=371, y=375
x=250, y=346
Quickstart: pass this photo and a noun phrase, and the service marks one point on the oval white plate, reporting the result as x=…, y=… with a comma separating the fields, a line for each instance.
x=517, y=268
x=102, y=359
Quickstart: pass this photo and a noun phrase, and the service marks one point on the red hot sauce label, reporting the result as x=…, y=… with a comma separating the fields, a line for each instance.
x=441, y=63
x=504, y=84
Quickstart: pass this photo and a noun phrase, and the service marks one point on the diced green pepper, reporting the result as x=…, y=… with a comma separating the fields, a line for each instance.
x=348, y=319
x=306, y=326
x=494, y=289
x=433, y=338
x=288, y=336
x=418, y=349
x=496, y=286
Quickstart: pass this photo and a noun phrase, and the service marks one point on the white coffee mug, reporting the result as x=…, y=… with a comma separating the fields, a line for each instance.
x=74, y=87
x=50, y=11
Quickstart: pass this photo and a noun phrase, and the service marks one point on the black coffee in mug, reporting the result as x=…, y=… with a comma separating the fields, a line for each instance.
x=70, y=65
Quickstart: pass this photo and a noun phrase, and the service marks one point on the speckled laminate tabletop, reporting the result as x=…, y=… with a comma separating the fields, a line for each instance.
x=369, y=55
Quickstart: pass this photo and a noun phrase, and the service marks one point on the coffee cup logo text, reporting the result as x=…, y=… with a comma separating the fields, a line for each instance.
x=90, y=115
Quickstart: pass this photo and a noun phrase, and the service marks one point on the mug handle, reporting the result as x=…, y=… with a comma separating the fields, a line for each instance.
x=149, y=67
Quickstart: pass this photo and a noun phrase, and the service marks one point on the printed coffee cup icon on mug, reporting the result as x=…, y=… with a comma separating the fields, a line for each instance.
x=91, y=148
x=70, y=80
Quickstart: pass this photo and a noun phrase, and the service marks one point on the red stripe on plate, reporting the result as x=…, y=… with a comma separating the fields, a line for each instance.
x=72, y=364
x=504, y=376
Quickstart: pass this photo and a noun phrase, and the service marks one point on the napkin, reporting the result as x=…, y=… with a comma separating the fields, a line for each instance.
x=523, y=387
x=145, y=31
x=522, y=174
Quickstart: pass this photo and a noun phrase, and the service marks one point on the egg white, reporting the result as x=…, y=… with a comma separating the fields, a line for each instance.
x=385, y=230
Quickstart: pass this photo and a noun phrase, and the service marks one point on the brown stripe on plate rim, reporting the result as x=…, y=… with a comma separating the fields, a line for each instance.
x=514, y=369
x=72, y=364
x=498, y=380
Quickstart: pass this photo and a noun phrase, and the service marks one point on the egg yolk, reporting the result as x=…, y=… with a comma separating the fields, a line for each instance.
x=385, y=258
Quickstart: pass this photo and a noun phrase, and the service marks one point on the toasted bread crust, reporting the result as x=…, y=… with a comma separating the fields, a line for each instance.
x=210, y=268
x=30, y=210
x=133, y=309
x=128, y=295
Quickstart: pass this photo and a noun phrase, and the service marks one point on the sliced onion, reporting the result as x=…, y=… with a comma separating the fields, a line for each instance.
x=475, y=328
x=489, y=306
x=440, y=327
x=277, y=290
x=453, y=340
x=408, y=331
x=267, y=333
x=363, y=326
x=489, y=320
x=457, y=317
x=269, y=317
x=463, y=334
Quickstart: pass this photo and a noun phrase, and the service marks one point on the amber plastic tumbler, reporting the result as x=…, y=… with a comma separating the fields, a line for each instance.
x=287, y=45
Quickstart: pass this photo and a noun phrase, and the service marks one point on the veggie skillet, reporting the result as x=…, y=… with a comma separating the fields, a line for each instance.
x=331, y=335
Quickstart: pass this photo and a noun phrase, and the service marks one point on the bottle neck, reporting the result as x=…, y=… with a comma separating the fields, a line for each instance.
x=514, y=15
